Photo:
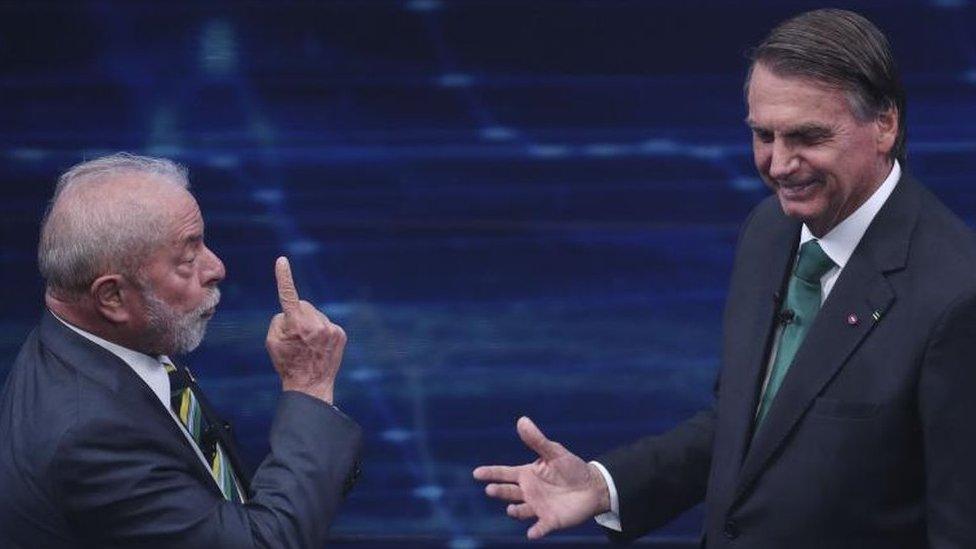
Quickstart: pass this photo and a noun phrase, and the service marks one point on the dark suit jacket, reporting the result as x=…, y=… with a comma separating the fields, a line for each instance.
x=870, y=441
x=90, y=458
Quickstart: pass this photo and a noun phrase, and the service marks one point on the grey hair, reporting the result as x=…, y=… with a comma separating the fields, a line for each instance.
x=86, y=234
x=843, y=50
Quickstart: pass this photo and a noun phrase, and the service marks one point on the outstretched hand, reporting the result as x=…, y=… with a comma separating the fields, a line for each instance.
x=305, y=347
x=559, y=489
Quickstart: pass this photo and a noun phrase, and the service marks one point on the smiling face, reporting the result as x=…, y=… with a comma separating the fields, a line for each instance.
x=179, y=280
x=810, y=149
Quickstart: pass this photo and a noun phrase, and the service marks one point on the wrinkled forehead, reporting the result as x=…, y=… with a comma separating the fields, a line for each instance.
x=796, y=95
x=784, y=85
x=183, y=217
x=765, y=73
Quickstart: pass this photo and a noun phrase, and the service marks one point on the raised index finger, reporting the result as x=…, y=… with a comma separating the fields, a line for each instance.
x=287, y=294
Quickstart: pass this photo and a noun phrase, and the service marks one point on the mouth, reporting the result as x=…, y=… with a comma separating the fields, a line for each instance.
x=798, y=191
x=210, y=305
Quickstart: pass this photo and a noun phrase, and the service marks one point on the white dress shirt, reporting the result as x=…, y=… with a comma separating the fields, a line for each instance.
x=149, y=369
x=839, y=244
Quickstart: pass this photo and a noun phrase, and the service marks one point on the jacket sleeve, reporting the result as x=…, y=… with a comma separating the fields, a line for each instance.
x=121, y=486
x=659, y=477
x=947, y=406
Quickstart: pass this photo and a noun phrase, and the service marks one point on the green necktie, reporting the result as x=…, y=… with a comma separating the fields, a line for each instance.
x=803, y=301
x=186, y=406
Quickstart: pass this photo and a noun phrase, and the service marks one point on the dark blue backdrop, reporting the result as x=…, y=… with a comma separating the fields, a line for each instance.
x=513, y=207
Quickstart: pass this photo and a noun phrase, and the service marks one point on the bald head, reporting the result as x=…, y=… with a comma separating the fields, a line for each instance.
x=107, y=216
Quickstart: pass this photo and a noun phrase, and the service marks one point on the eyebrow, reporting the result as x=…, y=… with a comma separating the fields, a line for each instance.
x=803, y=130
x=808, y=130
x=194, y=238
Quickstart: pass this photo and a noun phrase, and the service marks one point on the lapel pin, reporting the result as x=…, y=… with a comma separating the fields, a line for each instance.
x=876, y=315
x=852, y=319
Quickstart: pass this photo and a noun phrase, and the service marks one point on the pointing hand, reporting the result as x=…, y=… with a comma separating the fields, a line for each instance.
x=305, y=347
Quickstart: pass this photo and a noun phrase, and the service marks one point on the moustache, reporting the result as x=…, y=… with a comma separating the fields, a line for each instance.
x=210, y=302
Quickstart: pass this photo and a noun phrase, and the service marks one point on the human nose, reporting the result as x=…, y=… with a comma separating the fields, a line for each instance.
x=783, y=161
x=214, y=271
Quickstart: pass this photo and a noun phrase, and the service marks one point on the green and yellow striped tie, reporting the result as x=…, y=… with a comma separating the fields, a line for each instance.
x=187, y=409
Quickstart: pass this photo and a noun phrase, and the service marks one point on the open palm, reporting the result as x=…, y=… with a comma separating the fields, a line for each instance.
x=559, y=489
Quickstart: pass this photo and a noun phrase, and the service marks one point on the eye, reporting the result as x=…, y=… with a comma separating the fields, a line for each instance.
x=813, y=138
x=763, y=135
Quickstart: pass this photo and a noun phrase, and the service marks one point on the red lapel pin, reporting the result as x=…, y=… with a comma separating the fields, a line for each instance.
x=852, y=319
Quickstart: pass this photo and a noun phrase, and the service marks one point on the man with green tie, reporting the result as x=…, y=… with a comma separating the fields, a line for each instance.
x=843, y=407
x=106, y=441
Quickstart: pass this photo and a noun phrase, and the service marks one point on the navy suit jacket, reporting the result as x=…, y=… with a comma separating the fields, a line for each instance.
x=870, y=441
x=90, y=458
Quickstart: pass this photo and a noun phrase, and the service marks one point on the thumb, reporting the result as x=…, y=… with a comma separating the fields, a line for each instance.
x=534, y=439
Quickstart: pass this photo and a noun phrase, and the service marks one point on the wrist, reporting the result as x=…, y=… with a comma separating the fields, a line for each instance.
x=321, y=391
x=599, y=489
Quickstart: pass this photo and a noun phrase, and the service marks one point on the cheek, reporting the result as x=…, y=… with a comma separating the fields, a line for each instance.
x=761, y=157
x=181, y=293
x=832, y=168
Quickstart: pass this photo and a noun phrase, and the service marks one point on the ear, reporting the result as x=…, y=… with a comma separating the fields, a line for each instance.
x=111, y=295
x=887, y=124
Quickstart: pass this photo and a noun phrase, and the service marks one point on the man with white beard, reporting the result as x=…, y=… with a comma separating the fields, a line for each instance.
x=107, y=443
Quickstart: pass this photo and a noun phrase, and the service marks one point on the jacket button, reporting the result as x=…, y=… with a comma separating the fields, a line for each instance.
x=731, y=529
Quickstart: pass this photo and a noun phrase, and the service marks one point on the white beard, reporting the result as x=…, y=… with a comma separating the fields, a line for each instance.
x=171, y=333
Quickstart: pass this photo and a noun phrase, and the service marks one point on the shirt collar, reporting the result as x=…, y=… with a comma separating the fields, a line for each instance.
x=149, y=369
x=841, y=241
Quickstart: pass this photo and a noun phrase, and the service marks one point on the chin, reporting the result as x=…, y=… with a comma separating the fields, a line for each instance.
x=187, y=336
x=805, y=211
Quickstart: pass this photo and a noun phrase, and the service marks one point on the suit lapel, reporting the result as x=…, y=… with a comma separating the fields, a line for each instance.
x=767, y=259
x=102, y=366
x=846, y=318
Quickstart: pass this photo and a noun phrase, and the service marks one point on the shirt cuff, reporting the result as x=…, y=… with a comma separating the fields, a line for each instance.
x=610, y=519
